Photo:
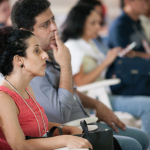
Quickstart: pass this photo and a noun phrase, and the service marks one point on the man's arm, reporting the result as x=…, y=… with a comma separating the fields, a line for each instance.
x=57, y=103
x=63, y=58
x=102, y=112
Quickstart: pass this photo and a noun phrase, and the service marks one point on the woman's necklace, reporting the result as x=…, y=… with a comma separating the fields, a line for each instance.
x=30, y=106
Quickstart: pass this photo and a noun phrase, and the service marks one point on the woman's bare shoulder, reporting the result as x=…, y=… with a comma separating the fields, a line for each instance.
x=6, y=102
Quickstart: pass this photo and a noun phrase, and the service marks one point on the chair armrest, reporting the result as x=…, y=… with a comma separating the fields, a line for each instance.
x=94, y=85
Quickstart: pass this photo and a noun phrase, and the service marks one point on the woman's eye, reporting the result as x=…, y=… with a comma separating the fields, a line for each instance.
x=36, y=50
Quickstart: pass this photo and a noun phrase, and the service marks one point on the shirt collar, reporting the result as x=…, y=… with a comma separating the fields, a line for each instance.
x=52, y=61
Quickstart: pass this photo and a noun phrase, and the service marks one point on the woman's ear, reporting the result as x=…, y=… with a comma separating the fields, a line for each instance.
x=18, y=60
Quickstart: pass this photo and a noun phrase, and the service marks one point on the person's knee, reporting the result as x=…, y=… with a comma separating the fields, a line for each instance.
x=143, y=139
x=138, y=135
x=128, y=143
x=146, y=109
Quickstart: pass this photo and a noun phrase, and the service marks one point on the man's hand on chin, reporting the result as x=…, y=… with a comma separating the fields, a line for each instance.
x=106, y=115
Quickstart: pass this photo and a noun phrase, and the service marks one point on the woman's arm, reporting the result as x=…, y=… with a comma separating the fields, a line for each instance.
x=81, y=78
x=15, y=137
x=138, y=54
x=67, y=130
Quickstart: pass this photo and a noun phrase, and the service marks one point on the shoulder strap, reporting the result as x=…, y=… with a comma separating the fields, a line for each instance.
x=51, y=132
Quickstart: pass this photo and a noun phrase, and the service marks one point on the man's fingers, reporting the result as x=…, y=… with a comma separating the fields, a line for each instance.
x=113, y=127
x=58, y=41
x=54, y=48
x=120, y=124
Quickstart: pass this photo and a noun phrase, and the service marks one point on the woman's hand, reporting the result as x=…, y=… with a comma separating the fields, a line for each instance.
x=112, y=55
x=74, y=142
x=131, y=54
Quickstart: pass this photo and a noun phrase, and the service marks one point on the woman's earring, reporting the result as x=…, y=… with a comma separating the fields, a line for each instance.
x=21, y=66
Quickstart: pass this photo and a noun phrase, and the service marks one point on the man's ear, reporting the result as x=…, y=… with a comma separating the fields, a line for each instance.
x=24, y=29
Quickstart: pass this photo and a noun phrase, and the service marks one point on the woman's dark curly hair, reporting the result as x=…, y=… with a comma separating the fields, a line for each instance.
x=12, y=42
x=74, y=25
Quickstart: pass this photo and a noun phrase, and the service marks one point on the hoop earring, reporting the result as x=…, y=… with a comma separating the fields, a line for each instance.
x=22, y=66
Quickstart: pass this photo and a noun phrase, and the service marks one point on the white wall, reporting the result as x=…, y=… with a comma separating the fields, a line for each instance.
x=61, y=7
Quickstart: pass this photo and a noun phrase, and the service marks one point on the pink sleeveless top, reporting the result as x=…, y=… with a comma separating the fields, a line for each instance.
x=26, y=118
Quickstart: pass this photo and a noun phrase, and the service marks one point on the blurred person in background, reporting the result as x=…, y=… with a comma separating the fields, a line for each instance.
x=5, y=13
x=88, y=63
x=101, y=9
x=98, y=6
x=145, y=21
x=127, y=28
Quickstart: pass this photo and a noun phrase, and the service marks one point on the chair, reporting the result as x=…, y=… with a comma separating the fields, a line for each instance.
x=98, y=90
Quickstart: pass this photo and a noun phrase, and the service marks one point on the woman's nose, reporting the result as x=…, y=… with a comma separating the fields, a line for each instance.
x=44, y=55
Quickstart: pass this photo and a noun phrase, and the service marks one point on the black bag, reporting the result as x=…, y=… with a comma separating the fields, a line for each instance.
x=100, y=140
x=134, y=74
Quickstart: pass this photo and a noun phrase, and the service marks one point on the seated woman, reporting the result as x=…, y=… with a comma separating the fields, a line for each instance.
x=21, y=59
x=89, y=64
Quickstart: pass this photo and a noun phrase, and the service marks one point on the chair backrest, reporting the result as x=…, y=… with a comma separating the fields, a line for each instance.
x=100, y=94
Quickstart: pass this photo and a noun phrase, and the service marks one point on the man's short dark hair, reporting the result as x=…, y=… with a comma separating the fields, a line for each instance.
x=122, y=4
x=24, y=12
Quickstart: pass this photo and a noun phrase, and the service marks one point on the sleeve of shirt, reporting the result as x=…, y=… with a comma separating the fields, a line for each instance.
x=119, y=35
x=76, y=56
x=57, y=104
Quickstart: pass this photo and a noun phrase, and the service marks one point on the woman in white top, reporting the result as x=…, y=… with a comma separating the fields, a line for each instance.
x=88, y=63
